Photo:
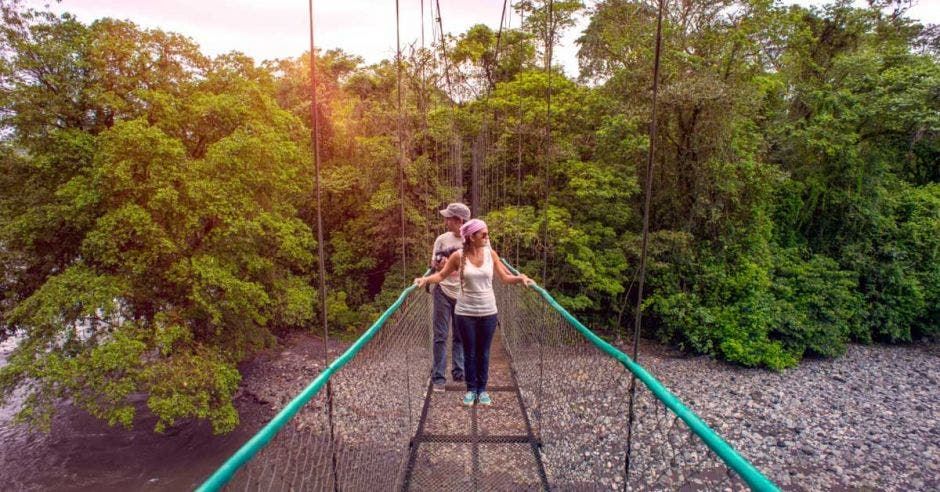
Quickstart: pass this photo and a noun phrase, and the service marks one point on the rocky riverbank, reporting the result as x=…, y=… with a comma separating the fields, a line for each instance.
x=868, y=420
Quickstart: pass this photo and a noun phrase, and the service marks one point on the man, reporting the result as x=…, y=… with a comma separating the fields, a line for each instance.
x=445, y=296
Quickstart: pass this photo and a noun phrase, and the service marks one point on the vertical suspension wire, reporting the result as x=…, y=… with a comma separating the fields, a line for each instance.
x=549, y=42
x=401, y=177
x=321, y=262
x=488, y=161
x=451, y=174
x=422, y=108
x=456, y=170
x=500, y=180
x=484, y=169
x=430, y=190
x=401, y=145
x=519, y=174
x=443, y=150
x=646, y=227
x=430, y=154
x=489, y=176
x=519, y=153
x=475, y=175
x=493, y=165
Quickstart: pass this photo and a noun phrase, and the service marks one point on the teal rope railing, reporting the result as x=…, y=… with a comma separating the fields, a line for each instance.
x=228, y=469
x=751, y=475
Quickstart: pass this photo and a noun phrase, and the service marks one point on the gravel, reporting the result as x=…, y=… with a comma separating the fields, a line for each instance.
x=867, y=420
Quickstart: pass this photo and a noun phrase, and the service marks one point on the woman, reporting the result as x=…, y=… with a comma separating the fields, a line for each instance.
x=475, y=312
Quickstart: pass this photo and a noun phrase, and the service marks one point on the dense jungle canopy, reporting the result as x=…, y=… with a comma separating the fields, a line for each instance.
x=157, y=220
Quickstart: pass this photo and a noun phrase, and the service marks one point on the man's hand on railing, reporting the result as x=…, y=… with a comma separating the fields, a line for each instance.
x=422, y=282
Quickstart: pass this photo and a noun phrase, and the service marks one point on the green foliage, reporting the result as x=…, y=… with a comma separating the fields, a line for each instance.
x=727, y=311
x=756, y=313
x=474, y=55
x=193, y=384
x=156, y=223
x=860, y=130
x=163, y=241
x=898, y=267
x=818, y=306
x=785, y=186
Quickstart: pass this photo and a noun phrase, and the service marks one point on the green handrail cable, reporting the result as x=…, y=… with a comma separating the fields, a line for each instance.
x=748, y=472
x=225, y=472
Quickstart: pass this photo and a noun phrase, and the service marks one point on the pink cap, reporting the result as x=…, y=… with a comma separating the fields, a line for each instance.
x=470, y=227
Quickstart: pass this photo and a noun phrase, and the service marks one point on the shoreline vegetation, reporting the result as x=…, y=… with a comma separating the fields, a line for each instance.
x=160, y=199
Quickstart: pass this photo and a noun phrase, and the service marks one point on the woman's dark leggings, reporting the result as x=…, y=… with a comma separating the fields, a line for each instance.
x=476, y=332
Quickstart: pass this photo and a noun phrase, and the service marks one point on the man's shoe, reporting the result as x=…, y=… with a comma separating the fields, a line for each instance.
x=485, y=399
x=469, y=398
x=438, y=387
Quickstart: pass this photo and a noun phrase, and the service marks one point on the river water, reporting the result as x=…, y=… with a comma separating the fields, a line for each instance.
x=84, y=453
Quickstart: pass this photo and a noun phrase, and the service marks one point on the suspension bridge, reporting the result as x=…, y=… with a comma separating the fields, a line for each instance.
x=570, y=412
x=561, y=417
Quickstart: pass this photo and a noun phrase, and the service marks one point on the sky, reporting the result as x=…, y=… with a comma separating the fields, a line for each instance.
x=279, y=28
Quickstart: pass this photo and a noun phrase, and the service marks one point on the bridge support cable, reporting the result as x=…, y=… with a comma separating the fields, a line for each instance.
x=321, y=254
x=401, y=144
x=456, y=143
x=519, y=154
x=401, y=179
x=482, y=197
x=647, y=200
x=547, y=156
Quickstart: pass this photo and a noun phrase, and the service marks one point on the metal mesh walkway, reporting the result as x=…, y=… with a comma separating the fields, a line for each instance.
x=479, y=447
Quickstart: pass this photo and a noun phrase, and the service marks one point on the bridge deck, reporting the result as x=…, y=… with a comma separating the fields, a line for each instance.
x=480, y=447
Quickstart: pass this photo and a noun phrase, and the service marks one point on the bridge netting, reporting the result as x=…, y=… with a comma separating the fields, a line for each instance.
x=560, y=418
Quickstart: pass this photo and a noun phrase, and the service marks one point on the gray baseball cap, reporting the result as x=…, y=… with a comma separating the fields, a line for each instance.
x=457, y=210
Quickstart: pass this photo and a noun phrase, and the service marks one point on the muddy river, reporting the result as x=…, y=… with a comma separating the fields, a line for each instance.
x=84, y=453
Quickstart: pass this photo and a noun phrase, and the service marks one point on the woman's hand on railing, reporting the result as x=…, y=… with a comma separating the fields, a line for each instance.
x=526, y=281
x=421, y=282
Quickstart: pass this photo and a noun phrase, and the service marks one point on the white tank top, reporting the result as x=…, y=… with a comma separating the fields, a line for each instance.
x=477, y=297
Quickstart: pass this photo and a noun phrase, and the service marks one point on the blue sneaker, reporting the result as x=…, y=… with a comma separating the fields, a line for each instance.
x=485, y=398
x=469, y=398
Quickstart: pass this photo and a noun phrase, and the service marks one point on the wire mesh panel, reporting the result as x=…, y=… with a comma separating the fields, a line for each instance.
x=375, y=400
x=667, y=455
x=560, y=418
x=578, y=396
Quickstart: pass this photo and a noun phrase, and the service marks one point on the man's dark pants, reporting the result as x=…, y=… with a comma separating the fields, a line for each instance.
x=442, y=321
